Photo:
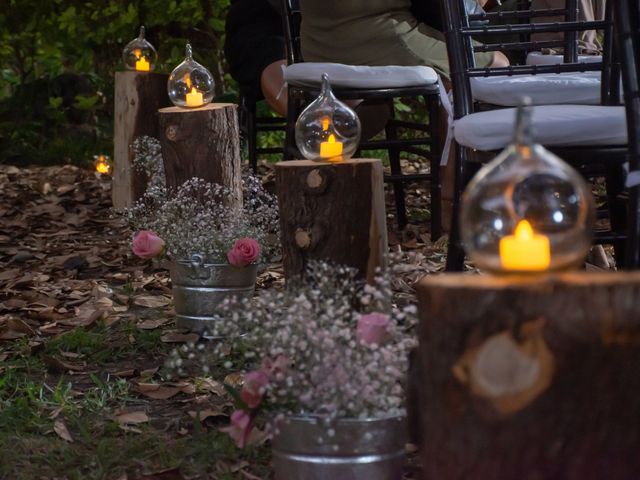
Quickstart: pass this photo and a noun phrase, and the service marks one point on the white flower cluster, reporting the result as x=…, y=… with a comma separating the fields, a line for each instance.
x=307, y=334
x=147, y=158
x=196, y=218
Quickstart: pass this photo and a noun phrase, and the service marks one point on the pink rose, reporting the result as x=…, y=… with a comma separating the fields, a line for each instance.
x=373, y=328
x=244, y=252
x=240, y=427
x=253, y=388
x=275, y=368
x=147, y=244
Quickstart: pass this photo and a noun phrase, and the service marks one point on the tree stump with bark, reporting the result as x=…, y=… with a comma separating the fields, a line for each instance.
x=524, y=378
x=332, y=211
x=202, y=142
x=138, y=96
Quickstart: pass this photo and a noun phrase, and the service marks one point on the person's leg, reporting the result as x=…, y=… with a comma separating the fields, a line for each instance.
x=273, y=87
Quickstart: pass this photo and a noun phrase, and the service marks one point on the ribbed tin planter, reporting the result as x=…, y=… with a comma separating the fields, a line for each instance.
x=371, y=449
x=199, y=287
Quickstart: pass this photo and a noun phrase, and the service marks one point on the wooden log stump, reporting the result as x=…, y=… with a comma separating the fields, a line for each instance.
x=202, y=142
x=332, y=211
x=526, y=378
x=138, y=96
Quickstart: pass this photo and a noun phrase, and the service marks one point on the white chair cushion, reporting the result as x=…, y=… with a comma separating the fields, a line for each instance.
x=309, y=74
x=553, y=126
x=538, y=58
x=544, y=89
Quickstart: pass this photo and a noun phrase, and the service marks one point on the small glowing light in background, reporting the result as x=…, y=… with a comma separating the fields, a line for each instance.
x=102, y=164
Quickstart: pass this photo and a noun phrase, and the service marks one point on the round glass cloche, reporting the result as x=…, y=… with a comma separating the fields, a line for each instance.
x=139, y=54
x=190, y=84
x=327, y=130
x=527, y=210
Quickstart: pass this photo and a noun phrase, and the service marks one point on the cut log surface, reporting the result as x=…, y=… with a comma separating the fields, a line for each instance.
x=202, y=142
x=332, y=211
x=138, y=96
x=529, y=377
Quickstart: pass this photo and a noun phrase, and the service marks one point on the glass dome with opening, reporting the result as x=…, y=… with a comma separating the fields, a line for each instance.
x=327, y=130
x=139, y=54
x=190, y=84
x=527, y=210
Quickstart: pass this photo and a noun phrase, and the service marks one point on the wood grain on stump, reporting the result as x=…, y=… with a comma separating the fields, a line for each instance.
x=332, y=211
x=524, y=378
x=202, y=142
x=138, y=96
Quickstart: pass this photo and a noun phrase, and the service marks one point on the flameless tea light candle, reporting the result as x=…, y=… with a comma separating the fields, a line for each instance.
x=142, y=65
x=525, y=250
x=194, y=97
x=331, y=148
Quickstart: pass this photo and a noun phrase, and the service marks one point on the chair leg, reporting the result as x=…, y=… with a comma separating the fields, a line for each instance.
x=290, y=131
x=455, y=252
x=252, y=138
x=632, y=250
x=391, y=132
x=435, y=186
x=617, y=210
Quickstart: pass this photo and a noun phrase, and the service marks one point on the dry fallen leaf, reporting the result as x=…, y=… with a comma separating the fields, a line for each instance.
x=234, y=379
x=202, y=415
x=61, y=429
x=12, y=328
x=58, y=365
x=131, y=418
x=151, y=301
x=163, y=392
x=152, y=324
x=212, y=386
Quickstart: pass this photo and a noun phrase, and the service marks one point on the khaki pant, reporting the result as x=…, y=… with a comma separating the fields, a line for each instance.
x=589, y=10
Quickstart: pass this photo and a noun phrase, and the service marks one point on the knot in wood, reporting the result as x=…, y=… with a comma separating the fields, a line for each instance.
x=302, y=238
x=171, y=132
x=315, y=178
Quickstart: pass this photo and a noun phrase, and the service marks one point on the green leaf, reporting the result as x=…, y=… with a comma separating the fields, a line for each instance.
x=85, y=103
x=55, y=102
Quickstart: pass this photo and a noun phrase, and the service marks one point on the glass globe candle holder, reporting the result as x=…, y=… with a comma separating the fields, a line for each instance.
x=327, y=130
x=190, y=84
x=527, y=210
x=139, y=54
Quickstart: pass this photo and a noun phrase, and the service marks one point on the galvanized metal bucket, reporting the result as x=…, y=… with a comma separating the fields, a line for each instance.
x=371, y=449
x=199, y=287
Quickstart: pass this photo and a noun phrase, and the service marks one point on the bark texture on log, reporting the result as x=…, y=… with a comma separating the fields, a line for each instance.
x=332, y=211
x=202, y=142
x=530, y=378
x=138, y=96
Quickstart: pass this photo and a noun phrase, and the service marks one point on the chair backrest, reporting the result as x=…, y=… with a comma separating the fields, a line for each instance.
x=292, y=18
x=627, y=22
x=459, y=35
